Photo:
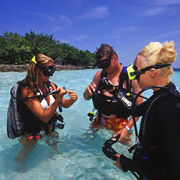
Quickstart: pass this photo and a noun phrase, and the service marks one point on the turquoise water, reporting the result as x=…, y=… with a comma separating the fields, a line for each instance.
x=76, y=154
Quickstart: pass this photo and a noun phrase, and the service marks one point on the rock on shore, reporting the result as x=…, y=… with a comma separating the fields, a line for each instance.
x=21, y=68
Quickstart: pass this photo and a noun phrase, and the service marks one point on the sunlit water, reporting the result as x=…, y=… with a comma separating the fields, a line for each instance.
x=76, y=154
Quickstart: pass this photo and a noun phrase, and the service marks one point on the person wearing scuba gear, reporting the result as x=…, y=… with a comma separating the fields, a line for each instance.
x=107, y=94
x=39, y=111
x=157, y=150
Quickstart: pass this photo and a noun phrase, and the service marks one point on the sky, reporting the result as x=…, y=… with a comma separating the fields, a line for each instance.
x=127, y=25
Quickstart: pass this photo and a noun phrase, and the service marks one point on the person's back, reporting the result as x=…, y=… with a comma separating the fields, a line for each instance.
x=157, y=150
x=159, y=156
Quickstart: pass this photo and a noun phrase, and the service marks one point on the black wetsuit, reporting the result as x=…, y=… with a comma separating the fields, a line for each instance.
x=159, y=157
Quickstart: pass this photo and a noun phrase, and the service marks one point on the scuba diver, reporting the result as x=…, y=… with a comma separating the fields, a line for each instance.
x=38, y=112
x=109, y=91
x=157, y=148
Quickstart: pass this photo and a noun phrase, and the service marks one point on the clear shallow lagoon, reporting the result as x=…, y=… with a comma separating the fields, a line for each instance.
x=76, y=154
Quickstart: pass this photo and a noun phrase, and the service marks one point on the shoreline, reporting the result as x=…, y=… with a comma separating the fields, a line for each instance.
x=22, y=68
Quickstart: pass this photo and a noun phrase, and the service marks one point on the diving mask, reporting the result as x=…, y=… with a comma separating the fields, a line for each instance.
x=105, y=63
x=134, y=73
x=48, y=71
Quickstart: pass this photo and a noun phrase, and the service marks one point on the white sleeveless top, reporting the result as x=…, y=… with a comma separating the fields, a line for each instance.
x=44, y=102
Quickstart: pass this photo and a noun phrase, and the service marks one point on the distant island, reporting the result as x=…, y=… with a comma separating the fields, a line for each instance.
x=16, y=51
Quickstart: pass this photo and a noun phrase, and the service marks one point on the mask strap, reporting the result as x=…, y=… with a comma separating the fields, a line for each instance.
x=156, y=66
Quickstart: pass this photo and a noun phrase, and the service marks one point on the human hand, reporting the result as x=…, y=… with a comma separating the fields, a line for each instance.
x=61, y=93
x=117, y=162
x=72, y=95
x=123, y=133
x=90, y=89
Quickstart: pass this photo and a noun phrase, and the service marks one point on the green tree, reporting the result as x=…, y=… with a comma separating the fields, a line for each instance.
x=16, y=49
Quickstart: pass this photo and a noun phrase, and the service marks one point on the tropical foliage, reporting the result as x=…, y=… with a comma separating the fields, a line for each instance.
x=16, y=49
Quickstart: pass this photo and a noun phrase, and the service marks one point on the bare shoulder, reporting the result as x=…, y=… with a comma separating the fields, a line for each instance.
x=97, y=76
x=27, y=92
x=53, y=85
x=98, y=73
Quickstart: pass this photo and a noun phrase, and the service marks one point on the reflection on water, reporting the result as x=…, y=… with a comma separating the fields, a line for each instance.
x=72, y=154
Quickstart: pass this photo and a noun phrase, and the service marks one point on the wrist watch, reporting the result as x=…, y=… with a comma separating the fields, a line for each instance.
x=128, y=129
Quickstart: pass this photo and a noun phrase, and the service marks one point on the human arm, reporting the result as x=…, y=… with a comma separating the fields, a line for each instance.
x=165, y=160
x=66, y=103
x=92, y=87
x=124, y=132
x=118, y=163
x=35, y=106
x=123, y=163
x=69, y=102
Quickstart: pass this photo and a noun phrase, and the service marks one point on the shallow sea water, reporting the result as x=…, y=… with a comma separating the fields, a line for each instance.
x=76, y=154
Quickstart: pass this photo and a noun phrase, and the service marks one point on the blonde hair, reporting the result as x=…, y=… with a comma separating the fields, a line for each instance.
x=156, y=52
x=31, y=79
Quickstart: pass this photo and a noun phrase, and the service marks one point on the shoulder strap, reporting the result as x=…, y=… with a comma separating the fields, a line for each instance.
x=103, y=73
x=124, y=77
x=16, y=91
x=51, y=86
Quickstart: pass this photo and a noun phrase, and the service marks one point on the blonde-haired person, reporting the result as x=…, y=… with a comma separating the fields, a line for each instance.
x=158, y=156
x=39, y=111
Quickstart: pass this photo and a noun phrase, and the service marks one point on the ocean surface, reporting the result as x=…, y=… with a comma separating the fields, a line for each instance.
x=76, y=154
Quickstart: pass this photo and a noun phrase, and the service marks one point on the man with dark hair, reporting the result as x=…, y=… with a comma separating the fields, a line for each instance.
x=110, y=92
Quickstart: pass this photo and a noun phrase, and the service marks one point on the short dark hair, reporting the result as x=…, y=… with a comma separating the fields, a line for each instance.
x=104, y=49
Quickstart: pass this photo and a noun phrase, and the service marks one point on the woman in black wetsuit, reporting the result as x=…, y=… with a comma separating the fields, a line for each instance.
x=158, y=154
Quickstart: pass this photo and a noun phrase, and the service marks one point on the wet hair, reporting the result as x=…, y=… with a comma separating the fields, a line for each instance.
x=104, y=49
x=31, y=79
x=156, y=52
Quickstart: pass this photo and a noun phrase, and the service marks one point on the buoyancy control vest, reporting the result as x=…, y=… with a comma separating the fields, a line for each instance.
x=120, y=103
x=32, y=123
x=19, y=117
